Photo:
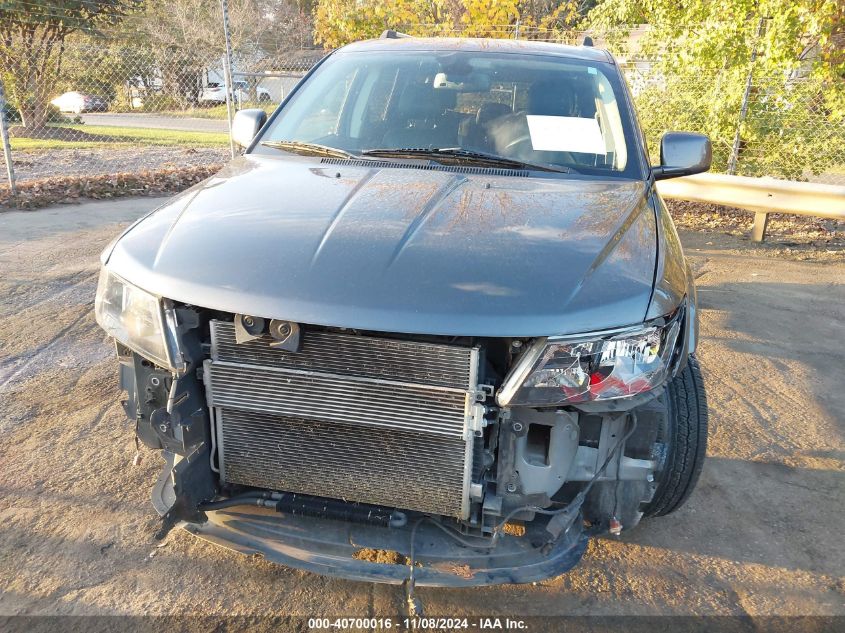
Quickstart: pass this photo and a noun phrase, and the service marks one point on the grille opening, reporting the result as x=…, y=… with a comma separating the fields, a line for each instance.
x=590, y=430
x=537, y=444
x=365, y=419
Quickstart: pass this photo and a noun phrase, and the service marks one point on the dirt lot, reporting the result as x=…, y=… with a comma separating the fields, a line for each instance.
x=762, y=534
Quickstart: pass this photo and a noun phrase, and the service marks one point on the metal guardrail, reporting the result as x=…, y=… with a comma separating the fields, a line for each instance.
x=760, y=196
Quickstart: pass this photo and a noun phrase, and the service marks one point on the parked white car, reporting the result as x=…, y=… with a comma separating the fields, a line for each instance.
x=215, y=93
x=78, y=102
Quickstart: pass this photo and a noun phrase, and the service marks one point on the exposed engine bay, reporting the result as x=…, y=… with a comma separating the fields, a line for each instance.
x=315, y=428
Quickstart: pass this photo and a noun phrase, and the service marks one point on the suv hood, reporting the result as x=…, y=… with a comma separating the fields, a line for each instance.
x=400, y=249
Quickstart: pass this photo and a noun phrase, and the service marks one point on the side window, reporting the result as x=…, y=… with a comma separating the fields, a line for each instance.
x=323, y=121
x=607, y=113
x=372, y=102
x=318, y=114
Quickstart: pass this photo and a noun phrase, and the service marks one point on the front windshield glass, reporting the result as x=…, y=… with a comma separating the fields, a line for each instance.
x=535, y=109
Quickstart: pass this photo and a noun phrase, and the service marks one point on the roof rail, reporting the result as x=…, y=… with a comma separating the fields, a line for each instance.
x=390, y=34
x=588, y=41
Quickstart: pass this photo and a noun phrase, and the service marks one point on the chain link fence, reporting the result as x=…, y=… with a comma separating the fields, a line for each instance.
x=112, y=109
x=782, y=128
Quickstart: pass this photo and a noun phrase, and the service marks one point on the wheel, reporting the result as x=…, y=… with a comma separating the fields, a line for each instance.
x=686, y=437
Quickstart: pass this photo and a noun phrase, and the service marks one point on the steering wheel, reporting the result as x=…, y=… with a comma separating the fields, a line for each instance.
x=519, y=147
x=522, y=148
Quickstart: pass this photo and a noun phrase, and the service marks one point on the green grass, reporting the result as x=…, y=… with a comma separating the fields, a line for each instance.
x=123, y=137
x=25, y=144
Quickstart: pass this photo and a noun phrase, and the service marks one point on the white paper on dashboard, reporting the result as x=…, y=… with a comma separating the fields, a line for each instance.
x=565, y=134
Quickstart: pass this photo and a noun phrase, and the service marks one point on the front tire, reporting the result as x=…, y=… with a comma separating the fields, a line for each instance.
x=687, y=441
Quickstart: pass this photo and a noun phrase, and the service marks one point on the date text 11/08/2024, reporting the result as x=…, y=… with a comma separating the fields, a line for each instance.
x=423, y=623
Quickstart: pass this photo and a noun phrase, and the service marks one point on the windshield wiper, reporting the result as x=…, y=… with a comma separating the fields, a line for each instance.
x=308, y=149
x=464, y=155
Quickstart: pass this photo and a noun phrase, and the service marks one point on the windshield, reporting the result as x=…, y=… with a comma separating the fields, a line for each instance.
x=534, y=109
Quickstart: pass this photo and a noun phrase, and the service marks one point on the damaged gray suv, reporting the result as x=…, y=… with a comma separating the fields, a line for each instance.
x=435, y=323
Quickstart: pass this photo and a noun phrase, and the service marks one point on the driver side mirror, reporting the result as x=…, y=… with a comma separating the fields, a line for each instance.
x=683, y=154
x=245, y=125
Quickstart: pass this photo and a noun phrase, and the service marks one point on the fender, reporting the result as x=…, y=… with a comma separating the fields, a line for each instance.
x=674, y=283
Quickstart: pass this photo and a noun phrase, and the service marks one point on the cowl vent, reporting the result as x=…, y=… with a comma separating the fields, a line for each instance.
x=454, y=169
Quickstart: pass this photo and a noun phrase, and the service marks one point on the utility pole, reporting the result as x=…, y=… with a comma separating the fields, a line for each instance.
x=7, y=149
x=227, y=73
x=743, y=111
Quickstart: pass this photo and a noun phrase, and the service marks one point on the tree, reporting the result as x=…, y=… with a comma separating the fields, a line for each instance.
x=338, y=22
x=111, y=68
x=186, y=36
x=554, y=14
x=32, y=39
x=701, y=54
x=489, y=18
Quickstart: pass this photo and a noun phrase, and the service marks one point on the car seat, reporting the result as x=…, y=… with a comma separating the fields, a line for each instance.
x=475, y=131
x=421, y=119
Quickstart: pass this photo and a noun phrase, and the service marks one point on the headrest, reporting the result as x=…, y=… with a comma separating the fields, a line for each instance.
x=551, y=98
x=421, y=101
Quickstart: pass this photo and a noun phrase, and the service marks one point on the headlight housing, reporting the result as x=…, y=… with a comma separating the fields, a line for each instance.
x=601, y=366
x=134, y=317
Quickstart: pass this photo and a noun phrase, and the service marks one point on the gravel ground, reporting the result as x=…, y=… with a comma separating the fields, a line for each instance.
x=760, y=536
x=784, y=232
x=34, y=164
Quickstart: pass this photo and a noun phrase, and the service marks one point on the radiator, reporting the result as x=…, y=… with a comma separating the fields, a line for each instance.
x=358, y=418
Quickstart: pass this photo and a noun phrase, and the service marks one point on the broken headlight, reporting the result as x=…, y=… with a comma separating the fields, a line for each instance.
x=595, y=367
x=132, y=316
